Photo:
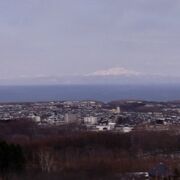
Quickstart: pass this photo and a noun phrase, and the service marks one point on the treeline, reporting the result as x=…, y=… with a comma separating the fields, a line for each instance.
x=32, y=152
x=12, y=160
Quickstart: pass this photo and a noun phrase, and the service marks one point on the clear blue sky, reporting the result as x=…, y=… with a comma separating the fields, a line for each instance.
x=62, y=37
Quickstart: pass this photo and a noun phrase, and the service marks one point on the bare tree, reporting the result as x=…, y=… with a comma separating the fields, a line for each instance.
x=46, y=159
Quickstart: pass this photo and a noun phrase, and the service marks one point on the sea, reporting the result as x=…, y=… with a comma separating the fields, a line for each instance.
x=105, y=93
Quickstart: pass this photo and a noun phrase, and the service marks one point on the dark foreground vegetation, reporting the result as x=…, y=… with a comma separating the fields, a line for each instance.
x=31, y=152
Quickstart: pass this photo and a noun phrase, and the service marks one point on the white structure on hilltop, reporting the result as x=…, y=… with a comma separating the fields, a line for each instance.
x=90, y=120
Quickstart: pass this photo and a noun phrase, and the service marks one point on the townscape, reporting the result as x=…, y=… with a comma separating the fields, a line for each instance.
x=122, y=139
x=118, y=116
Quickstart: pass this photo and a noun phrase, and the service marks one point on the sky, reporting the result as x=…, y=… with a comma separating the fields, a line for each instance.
x=40, y=38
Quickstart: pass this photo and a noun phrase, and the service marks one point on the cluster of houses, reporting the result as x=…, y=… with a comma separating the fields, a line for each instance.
x=97, y=116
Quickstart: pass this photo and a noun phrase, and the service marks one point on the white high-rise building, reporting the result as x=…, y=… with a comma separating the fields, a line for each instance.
x=118, y=110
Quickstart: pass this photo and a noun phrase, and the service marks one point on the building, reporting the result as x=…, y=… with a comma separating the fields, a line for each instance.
x=90, y=120
x=118, y=110
x=70, y=118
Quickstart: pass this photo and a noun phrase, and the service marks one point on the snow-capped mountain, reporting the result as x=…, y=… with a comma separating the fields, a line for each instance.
x=117, y=75
x=117, y=71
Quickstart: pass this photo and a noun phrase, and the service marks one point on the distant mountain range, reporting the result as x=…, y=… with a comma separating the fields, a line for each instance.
x=111, y=76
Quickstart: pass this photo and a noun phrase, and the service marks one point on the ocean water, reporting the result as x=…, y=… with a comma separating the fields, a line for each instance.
x=89, y=92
